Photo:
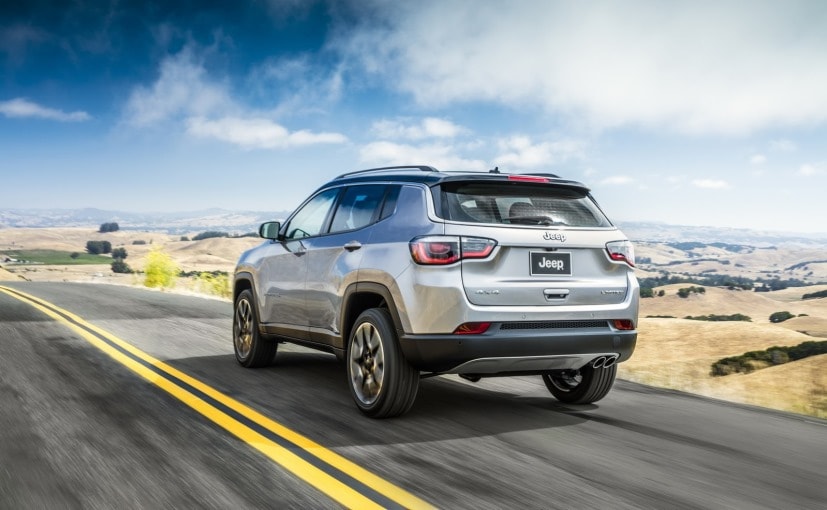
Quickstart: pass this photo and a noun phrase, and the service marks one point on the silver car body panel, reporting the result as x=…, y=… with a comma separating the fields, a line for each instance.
x=300, y=285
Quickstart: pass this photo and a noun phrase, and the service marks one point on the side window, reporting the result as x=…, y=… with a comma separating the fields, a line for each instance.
x=310, y=219
x=359, y=207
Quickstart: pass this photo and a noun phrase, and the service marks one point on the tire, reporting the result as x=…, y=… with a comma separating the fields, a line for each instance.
x=381, y=381
x=251, y=349
x=583, y=386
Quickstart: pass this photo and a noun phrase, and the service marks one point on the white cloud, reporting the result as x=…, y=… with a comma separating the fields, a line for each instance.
x=710, y=184
x=182, y=89
x=722, y=67
x=758, y=159
x=520, y=152
x=429, y=127
x=185, y=94
x=617, y=180
x=783, y=146
x=253, y=133
x=441, y=156
x=23, y=108
x=811, y=169
x=296, y=84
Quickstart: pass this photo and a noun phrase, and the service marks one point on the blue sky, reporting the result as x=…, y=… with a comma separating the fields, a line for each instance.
x=691, y=113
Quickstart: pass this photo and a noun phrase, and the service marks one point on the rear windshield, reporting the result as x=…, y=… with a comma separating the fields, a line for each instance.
x=520, y=204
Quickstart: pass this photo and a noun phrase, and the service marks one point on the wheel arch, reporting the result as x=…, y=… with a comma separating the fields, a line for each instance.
x=244, y=281
x=359, y=297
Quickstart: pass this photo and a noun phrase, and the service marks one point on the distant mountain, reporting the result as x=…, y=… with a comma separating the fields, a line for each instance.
x=663, y=233
x=172, y=223
x=240, y=222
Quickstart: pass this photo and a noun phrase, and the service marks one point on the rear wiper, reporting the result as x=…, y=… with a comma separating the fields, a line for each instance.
x=531, y=220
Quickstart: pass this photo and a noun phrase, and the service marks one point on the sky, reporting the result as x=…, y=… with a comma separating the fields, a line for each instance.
x=710, y=113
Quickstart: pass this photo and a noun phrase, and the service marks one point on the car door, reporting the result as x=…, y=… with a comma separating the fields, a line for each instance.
x=284, y=272
x=333, y=260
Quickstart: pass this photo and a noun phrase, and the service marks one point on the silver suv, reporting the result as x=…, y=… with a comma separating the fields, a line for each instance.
x=409, y=272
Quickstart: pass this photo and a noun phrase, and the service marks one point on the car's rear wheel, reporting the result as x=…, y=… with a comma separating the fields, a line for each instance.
x=251, y=349
x=381, y=381
x=582, y=386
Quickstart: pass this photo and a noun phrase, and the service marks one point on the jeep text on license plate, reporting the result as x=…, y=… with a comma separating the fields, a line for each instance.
x=546, y=263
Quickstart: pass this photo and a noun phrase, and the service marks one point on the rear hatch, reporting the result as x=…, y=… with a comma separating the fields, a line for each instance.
x=551, y=242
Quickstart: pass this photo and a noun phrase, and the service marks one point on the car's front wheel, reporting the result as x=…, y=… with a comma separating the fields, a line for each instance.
x=251, y=349
x=582, y=386
x=381, y=381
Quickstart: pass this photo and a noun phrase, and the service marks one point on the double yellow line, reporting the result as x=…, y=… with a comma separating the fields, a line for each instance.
x=332, y=474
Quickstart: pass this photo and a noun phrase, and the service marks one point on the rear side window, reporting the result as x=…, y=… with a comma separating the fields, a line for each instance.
x=359, y=207
x=520, y=204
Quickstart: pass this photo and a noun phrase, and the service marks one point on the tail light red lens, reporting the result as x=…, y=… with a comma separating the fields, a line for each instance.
x=621, y=251
x=444, y=250
x=623, y=324
x=472, y=328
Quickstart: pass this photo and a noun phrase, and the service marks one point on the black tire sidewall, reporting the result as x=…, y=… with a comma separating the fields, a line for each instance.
x=595, y=384
x=262, y=350
x=398, y=387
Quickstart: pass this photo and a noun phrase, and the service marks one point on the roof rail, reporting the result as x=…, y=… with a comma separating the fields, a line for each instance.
x=421, y=168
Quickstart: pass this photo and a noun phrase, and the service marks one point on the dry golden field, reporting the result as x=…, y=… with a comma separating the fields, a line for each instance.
x=678, y=353
x=671, y=352
x=215, y=254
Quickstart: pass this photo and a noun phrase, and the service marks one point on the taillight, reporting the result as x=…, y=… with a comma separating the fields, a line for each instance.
x=621, y=251
x=623, y=324
x=472, y=328
x=476, y=247
x=444, y=250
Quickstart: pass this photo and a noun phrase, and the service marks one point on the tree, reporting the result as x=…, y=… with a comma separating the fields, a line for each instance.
x=647, y=292
x=119, y=253
x=98, y=247
x=74, y=255
x=160, y=269
x=109, y=227
x=209, y=234
x=119, y=266
x=781, y=316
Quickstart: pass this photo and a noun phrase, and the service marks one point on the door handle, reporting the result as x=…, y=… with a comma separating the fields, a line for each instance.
x=353, y=245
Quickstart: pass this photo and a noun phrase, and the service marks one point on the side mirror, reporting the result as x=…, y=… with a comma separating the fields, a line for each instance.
x=269, y=230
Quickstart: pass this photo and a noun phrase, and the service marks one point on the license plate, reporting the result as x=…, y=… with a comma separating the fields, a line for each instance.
x=548, y=263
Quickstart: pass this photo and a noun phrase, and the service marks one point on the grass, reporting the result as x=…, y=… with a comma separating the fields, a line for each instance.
x=55, y=257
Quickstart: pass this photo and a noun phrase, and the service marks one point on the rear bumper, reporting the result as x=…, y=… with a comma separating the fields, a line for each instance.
x=500, y=352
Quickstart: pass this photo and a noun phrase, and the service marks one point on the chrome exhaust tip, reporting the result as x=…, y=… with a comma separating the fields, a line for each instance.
x=599, y=362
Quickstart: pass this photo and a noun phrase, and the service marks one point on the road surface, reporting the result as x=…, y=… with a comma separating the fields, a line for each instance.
x=121, y=397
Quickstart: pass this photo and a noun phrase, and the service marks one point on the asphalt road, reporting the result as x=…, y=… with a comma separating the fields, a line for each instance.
x=80, y=429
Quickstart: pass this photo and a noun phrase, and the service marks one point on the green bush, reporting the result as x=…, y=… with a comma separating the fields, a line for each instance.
x=209, y=234
x=119, y=266
x=755, y=360
x=815, y=295
x=138, y=241
x=781, y=316
x=109, y=227
x=119, y=253
x=647, y=292
x=98, y=247
x=684, y=292
x=720, y=318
